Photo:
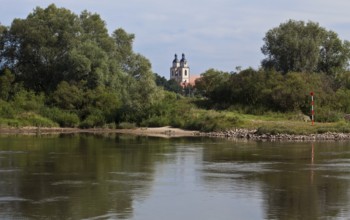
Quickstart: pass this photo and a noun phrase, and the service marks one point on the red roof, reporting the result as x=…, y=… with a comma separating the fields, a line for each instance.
x=193, y=79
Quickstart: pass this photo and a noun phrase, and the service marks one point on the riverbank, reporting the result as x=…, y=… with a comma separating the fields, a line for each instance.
x=168, y=132
x=253, y=134
x=155, y=132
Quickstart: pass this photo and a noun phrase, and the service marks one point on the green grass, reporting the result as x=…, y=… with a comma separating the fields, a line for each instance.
x=182, y=113
x=27, y=119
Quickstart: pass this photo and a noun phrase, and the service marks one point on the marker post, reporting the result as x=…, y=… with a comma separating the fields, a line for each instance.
x=312, y=108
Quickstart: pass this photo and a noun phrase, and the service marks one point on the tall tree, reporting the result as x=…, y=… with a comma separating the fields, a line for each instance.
x=334, y=54
x=3, y=31
x=212, y=82
x=304, y=47
x=42, y=43
x=54, y=44
x=6, y=81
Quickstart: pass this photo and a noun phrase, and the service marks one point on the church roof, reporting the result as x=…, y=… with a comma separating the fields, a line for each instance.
x=183, y=59
x=175, y=60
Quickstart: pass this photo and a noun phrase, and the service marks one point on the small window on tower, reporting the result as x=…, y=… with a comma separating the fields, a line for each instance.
x=185, y=72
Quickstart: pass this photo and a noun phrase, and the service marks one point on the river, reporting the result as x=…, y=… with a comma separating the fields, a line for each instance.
x=147, y=178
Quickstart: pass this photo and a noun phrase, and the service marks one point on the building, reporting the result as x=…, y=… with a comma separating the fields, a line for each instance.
x=180, y=71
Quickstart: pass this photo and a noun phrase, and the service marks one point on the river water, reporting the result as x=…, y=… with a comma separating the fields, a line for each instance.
x=130, y=177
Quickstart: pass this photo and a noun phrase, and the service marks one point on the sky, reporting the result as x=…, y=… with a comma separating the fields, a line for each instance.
x=219, y=34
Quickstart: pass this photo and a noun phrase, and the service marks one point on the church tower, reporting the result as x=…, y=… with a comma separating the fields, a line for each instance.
x=180, y=71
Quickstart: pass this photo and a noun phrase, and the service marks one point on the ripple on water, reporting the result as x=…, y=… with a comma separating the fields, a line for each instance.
x=337, y=165
x=9, y=170
x=339, y=177
x=43, y=174
x=131, y=175
x=238, y=167
x=12, y=199
x=12, y=152
x=68, y=182
x=106, y=216
x=53, y=199
x=331, y=153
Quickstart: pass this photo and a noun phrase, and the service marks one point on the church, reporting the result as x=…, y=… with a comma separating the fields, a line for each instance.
x=180, y=71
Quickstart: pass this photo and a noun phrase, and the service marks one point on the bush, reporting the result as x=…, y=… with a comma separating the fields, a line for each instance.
x=210, y=121
x=28, y=101
x=33, y=119
x=110, y=125
x=94, y=120
x=6, y=110
x=126, y=125
x=62, y=117
x=157, y=121
x=177, y=122
x=324, y=114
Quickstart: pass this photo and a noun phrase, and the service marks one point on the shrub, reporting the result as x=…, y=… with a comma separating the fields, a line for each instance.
x=157, y=121
x=126, y=125
x=6, y=110
x=28, y=100
x=62, y=117
x=207, y=121
x=93, y=120
x=324, y=114
x=33, y=119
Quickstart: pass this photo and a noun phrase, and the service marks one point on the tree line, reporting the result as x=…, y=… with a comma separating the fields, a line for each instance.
x=300, y=58
x=58, y=68
x=68, y=68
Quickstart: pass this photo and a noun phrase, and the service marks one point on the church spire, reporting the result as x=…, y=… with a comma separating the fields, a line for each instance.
x=175, y=60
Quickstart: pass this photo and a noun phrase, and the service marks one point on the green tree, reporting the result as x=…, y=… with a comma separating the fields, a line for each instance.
x=334, y=54
x=211, y=82
x=169, y=85
x=141, y=91
x=291, y=94
x=343, y=100
x=6, y=82
x=124, y=53
x=3, y=32
x=296, y=46
x=73, y=59
x=42, y=43
x=53, y=45
x=95, y=30
x=68, y=97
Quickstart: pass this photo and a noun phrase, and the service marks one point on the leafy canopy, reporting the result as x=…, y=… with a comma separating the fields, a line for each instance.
x=304, y=47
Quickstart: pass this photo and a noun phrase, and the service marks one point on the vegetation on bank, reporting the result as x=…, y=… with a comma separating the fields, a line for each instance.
x=62, y=69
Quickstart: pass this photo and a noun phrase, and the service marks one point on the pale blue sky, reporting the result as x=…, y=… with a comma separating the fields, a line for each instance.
x=220, y=34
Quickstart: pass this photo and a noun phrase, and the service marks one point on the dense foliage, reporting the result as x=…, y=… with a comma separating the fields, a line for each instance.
x=298, y=47
x=62, y=69
x=300, y=58
x=83, y=76
x=259, y=91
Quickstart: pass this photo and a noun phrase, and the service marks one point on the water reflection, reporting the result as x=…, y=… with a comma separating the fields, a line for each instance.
x=75, y=177
x=130, y=177
x=296, y=181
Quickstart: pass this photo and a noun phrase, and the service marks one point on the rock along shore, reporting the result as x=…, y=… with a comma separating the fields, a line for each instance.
x=253, y=135
x=238, y=133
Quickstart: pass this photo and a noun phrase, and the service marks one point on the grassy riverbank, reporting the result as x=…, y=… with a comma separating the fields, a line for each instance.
x=195, y=120
x=290, y=123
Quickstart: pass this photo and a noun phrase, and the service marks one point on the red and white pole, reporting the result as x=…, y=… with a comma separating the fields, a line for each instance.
x=312, y=108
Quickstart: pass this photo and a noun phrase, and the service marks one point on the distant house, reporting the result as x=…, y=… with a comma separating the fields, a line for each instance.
x=180, y=72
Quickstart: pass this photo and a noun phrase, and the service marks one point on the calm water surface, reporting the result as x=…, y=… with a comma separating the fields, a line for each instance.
x=128, y=177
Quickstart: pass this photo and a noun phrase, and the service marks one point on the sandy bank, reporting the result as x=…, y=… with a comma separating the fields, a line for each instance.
x=168, y=132
x=157, y=132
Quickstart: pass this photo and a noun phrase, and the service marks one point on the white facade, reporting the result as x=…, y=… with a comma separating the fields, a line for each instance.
x=180, y=71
